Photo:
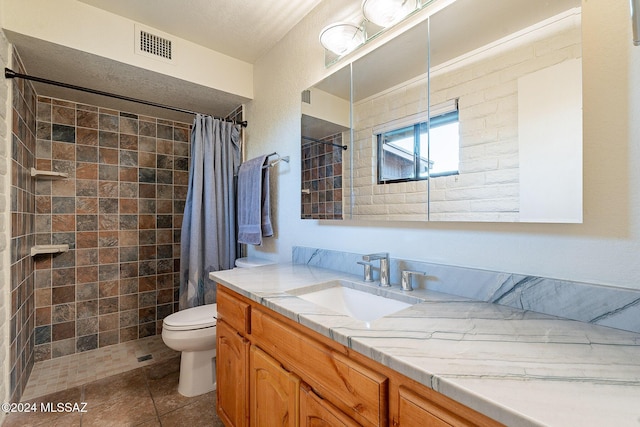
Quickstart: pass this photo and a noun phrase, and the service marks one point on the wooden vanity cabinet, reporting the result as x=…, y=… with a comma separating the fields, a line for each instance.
x=273, y=390
x=232, y=376
x=284, y=374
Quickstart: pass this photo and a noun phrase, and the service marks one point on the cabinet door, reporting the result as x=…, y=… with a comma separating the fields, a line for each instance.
x=273, y=392
x=316, y=412
x=356, y=390
x=232, y=365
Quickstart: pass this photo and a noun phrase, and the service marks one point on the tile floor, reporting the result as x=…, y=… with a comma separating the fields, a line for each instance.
x=118, y=390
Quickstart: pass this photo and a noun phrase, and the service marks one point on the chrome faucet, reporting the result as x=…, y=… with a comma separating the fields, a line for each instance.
x=384, y=266
x=407, y=276
x=367, y=274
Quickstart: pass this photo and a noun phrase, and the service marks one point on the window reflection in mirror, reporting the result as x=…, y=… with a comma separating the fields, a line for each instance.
x=420, y=150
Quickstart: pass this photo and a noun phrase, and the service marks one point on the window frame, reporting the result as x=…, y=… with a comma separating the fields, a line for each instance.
x=446, y=113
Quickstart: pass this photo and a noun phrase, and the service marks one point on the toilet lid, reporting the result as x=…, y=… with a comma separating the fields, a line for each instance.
x=200, y=317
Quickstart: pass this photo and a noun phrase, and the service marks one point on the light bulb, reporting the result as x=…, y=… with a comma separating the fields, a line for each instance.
x=385, y=13
x=341, y=37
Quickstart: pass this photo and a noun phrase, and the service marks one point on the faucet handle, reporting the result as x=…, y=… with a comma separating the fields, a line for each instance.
x=372, y=257
x=368, y=276
x=407, y=278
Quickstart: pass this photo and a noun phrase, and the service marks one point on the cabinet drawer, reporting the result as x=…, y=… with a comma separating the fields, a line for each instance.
x=353, y=388
x=315, y=412
x=233, y=311
x=434, y=410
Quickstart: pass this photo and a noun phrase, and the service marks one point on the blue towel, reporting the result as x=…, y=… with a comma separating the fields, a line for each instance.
x=254, y=219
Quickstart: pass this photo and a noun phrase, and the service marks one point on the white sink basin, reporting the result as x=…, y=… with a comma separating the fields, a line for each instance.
x=362, y=304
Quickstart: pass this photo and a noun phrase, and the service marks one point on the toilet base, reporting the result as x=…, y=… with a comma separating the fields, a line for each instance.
x=197, y=372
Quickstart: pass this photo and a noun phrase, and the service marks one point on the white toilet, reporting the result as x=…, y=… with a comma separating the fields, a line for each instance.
x=193, y=332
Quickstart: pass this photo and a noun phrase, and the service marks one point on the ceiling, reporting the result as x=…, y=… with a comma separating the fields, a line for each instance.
x=243, y=29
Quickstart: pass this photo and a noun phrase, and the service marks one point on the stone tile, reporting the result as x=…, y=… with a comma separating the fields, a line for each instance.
x=87, y=342
x=63, y=331
x=128, y=142
x=64, y=314
x=86, y=309
x=63, y=133
x=87, y=119
x=108, y=122
x=86, y=205
x=108, y=322
x=200, y=412
x=108, y=305
x=147, y=144
x=87, y=274
x=108, y=255
x=164, y=131
x=107, y=172
x=86, y=153
x=128, y=206
x=86, y=257
x=108, y=189
x=146, y=160
x=63, y=348
x=131, y=409
x=147, y=128
x=108, y=288
x=86, y=188
x=147, y=314
x=108, y=338
x=127, y=157
x=117, y=387
x=147, y=329
x=42, y=418
x=128, y=125
x=63, y=294
x=129, y=174
x=86, y=171
x=87, y=326
x=60, y=205
x=129, y=333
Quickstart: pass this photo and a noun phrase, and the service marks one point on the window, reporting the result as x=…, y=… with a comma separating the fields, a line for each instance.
x=409, y=153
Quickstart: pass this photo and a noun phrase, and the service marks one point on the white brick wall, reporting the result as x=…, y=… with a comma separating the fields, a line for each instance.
x=5, y=237
x=487, y=187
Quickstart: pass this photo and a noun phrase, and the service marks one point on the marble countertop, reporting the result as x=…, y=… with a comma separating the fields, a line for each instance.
x=518, y=367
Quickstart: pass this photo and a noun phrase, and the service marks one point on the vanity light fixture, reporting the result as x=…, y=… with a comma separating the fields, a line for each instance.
x=341, y=37
x=385, y=13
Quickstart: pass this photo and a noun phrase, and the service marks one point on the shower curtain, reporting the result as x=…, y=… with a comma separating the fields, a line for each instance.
x=208, y=238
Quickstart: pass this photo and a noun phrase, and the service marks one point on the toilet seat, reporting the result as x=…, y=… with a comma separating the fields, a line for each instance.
x=192, y=318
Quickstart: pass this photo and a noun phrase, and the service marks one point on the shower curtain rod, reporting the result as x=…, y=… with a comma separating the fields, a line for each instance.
x=10, y=74
x=344, y=147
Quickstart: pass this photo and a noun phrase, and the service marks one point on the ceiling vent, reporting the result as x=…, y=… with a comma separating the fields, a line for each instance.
x=153, y=44
x=306, y=96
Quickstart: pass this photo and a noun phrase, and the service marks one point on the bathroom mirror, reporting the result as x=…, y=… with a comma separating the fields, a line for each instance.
x=325, y=131
x=514, y=70
x=472, y=115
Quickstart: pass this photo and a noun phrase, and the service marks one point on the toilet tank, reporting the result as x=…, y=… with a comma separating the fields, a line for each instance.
x=250, y=262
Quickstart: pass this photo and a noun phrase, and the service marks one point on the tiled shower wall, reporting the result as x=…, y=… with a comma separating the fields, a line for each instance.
x=322, y=177
x=120, y=211
x=5, y=231
x=23, y=143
